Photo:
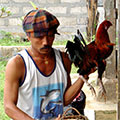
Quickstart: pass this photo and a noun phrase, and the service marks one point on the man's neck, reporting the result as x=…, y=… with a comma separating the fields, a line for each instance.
x=38, y=55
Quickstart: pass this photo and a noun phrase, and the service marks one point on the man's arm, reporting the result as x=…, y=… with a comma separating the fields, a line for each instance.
x=72, y=90
x=14, y=72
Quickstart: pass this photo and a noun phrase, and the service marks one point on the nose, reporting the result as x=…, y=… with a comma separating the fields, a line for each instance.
x=45, y=40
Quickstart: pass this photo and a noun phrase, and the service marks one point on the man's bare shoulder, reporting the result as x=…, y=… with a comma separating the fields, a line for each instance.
x=15, y=61
x=15, y=67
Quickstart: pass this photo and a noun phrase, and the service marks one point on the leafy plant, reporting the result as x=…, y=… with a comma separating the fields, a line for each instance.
x=3, y=116
x=60, y=42
x=4, y=12
x=7, y=39
x=34, y=6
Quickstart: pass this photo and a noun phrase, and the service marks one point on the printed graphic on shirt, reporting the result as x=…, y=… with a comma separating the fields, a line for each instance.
x=48, y=101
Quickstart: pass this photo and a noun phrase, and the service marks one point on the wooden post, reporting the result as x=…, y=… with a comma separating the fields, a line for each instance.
x=93, y=16
x=118, y=90
x=110, y=14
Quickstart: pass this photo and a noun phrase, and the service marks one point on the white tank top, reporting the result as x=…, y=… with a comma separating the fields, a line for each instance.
x=41, y=96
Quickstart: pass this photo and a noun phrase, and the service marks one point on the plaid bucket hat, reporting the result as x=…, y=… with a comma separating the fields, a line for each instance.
x=40, y=23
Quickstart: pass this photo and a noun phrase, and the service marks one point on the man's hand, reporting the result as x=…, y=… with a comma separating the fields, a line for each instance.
x=58, y=118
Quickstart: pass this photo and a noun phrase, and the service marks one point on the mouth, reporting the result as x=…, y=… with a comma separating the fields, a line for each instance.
x=45, y=49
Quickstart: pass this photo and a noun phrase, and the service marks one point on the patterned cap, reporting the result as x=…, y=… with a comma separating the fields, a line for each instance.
x=39, y=23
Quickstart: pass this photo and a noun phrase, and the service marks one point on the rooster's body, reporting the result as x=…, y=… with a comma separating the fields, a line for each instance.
x=92, y=56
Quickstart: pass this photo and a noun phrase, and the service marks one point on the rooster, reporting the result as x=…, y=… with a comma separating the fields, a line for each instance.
x=91, y=57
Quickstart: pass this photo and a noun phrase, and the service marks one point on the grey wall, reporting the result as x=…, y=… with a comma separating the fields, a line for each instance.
x=72, y=15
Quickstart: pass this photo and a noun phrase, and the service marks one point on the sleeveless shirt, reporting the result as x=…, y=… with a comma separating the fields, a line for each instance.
x=41, y=96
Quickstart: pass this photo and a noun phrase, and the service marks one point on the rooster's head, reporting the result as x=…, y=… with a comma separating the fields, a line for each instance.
x=106, y=24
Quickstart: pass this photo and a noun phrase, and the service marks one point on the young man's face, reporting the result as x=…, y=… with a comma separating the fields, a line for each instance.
x=42, y=44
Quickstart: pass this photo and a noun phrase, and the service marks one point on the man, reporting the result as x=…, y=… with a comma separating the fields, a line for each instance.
x=37, y=80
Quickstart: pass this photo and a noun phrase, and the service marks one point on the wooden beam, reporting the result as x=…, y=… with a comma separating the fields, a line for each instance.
x=118, y=90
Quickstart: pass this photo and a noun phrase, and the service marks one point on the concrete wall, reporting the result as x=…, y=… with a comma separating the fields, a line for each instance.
x=6, y=52
x=72, y=15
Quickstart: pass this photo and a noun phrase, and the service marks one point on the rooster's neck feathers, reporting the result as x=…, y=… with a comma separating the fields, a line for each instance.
x=102, y=33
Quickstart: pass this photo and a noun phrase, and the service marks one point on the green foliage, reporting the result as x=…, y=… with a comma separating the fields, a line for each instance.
x=93, y=37
x=117, y=41
x=95, y=25
x=74, y=69
x=3, y=116
x=4, y=12
x=9, y=40
x=34, y=6
x=60, y=42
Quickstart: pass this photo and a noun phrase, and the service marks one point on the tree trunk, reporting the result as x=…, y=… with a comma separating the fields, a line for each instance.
x=110, y=14
x=93, y=16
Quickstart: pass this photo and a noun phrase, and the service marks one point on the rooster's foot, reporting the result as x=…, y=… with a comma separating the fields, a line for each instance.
x=92, y=89
x=103, y=95
x=89, y=85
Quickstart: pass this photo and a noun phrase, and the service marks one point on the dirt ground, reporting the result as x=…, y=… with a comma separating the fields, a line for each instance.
x=103, y=110
x=105, y=115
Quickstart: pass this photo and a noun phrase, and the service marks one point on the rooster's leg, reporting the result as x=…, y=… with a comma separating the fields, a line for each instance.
x=89, y=85
x=97, y=81
x=101, y=69
x=102, y=90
